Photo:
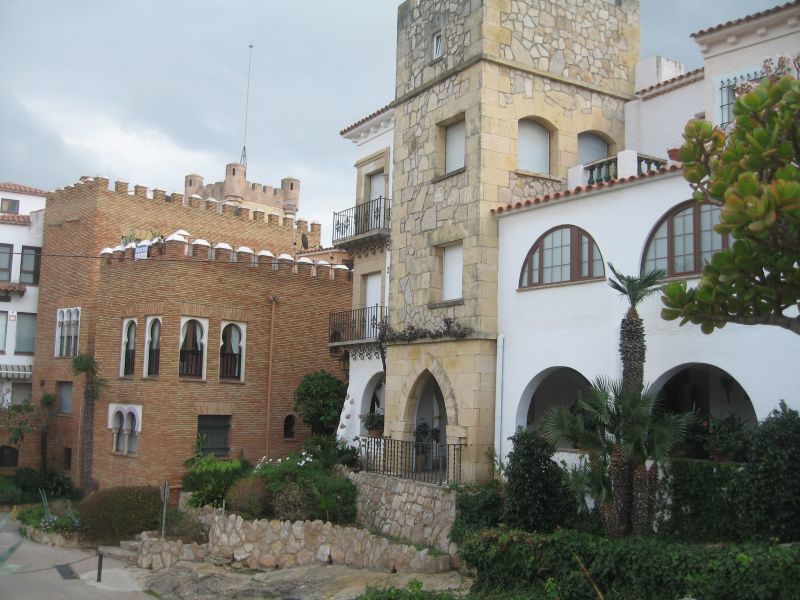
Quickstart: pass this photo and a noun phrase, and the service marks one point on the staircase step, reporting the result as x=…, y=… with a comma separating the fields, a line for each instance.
x=117, y=553
x=129, y=545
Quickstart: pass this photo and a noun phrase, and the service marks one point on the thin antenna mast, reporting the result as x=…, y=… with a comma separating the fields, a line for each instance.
x=243, y=160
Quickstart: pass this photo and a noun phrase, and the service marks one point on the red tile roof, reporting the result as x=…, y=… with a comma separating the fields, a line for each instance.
x=350, y=128
x=15, y=219
x=583, y=189
x=670, y=82
x=747, y=18
x=18, y=188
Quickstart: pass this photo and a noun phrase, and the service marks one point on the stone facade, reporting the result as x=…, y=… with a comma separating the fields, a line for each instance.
x=264, y=544
x=420, y=513
x=503, y=61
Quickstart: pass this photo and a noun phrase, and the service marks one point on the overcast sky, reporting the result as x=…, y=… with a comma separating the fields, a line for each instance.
x=148, y=91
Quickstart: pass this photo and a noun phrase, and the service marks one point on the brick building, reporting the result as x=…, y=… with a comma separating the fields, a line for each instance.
x=157, y=326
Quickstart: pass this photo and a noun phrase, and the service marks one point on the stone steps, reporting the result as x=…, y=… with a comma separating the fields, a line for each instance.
x=118, y=553
x=129, y=545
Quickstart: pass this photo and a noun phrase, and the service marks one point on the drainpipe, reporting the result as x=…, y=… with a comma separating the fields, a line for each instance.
x=498, y=397
x=274, y=301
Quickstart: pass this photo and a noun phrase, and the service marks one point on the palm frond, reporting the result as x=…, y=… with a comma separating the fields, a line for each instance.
x=558, y=423
x=634, y=288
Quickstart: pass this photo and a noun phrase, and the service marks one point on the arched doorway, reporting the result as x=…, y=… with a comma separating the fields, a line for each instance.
x=430, y=426
x=556, y=386
x=374, y=397
x=705, y=389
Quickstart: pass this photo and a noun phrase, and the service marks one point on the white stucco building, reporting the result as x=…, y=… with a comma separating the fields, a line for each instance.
x=21, y=228
x=558, y=317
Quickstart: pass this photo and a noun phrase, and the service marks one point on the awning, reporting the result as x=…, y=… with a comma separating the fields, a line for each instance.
x=15, y=371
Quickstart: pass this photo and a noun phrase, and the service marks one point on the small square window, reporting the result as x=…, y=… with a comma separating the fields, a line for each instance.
x=64, y=391
x=438, y=45
x=9, y=206
x=213, y=434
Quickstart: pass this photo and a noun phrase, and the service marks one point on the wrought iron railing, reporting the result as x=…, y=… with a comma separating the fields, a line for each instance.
x=153, y=360
x=130, y=359
x=606, y=169
x=362, y=218
x=359, y=324
x=428, y=462
x=191, y=363
x=230, y=365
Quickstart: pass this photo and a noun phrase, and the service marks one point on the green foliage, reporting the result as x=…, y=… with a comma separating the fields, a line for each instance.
x=209, y=479
x=700, y=501
x=753, y=174
x=373, y=420
x=477, y=507
x=249, y=497
x=537, y=498
x=54, y=485
x=117, y=513
x=772, y=485
x=302, y=487
x=632, y=568
x=9, y=493
x=185, y=526
x=318, y=401
x=728, y=435
x=330, y=452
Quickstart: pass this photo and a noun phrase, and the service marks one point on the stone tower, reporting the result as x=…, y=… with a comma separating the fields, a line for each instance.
x=493, y=99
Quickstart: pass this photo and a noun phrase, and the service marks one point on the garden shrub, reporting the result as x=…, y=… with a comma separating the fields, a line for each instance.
x=117, y=513
x=477, y=507
x=330, y=451
x=9, y=493
x=249, y=497
x=631, y=568
x=318, y=401
x=537, y=498
x=700, y=501
x=294, y=502
x=771, y=498
x=185, y=527
x=30, y=481
x=209, y=479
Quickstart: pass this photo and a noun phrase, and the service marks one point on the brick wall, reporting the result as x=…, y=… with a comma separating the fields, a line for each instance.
x=83, y=219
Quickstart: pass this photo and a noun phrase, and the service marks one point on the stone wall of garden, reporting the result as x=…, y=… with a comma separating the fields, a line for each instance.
x=420, y=513
x=264, y=544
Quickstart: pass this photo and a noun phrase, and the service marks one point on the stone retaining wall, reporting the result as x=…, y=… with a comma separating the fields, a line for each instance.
x=158, y=553
x=50, y=538
x=420, y=513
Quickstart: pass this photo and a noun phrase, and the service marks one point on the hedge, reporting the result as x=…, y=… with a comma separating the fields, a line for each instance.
x=117, y=513
x=630, y=568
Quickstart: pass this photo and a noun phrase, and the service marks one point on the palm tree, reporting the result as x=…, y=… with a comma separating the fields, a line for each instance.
x=631, y=330
x=619, y=431
x=85, y=364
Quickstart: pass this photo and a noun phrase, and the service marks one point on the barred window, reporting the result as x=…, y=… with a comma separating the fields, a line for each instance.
x=213, y=434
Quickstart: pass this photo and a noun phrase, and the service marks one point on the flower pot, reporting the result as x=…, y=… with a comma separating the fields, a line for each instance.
x=672, y=153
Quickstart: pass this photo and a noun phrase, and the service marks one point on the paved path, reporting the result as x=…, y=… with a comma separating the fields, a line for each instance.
x=28, y=572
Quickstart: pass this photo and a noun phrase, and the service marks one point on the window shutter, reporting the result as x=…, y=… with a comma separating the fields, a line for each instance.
x=452, y=271
x=455, y=146
x=533, y=148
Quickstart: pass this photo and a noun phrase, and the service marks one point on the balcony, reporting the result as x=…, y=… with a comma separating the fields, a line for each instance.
x=625, y=164
x=355, y=326
x=363, y=224
x=438, y=464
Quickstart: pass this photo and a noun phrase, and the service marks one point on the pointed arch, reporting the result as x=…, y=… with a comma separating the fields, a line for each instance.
x=428, y=366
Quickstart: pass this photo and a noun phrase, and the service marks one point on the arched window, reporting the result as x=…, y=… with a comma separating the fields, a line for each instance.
x=563, y=254
x=118, y=438
x=533, y=147
x=230, y=352
x=9, y=456
x=288, y=426
x=68, y=321
x=191, y=356
x=591, y=147
x=131, y=438
x=129, y=348
x=684, y=240
x=154, y=347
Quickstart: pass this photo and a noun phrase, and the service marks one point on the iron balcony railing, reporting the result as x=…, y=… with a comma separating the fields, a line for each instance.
x=420, y=461
x=356, y=325
x=605, y=169
x=371, y=216
x=191, y=363
x=153, y=359
x=230, y=365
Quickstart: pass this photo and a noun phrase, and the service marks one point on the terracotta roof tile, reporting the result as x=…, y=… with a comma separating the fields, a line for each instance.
x=669, y=82
x=18, y=188
x=583, y=189
x=15, y=219
x=746, y=18
x=350, y=128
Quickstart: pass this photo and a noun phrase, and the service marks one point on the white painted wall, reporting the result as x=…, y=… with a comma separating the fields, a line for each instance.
x=365, y=375
x=577, y=325
x=20, y=235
